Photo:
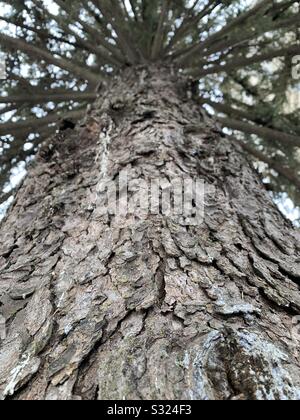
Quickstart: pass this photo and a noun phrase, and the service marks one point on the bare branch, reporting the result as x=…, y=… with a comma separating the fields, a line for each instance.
x=188, y=22
x=39, y=53
x=239, y=20
x=239, y=62
x=226, y=109
x=100, y=50
x=134, y=9
x=30, y=124
x=280, y=169
x=48, y=96
x=243, y=39
x=7, y=109
x=118, y=22
x=43, y=34
x=158, y=42
x=264, y=132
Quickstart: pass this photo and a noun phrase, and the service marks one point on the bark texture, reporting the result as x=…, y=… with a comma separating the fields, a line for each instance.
x=150, y=309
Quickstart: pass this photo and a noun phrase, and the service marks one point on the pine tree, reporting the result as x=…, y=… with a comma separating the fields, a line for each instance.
x=150, y=306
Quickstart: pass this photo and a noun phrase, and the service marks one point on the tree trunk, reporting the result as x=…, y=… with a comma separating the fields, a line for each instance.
x=146, y=306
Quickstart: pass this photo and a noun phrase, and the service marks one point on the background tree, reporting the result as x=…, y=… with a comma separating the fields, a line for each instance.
x=153, y=309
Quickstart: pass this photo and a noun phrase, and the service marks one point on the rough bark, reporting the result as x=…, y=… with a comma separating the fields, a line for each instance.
x=148, y=308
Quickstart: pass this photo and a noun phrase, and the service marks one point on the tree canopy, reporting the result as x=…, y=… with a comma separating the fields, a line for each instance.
x=241, y=56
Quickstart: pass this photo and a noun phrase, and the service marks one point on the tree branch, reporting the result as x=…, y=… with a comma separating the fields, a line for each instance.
x=280, y=169
x=113, y=57
x=239, y=20
x=239, y=62
x=119, y=25
x=158, y=42
x=48, y=96
x=247, y=36
x=39, y=53
x=33, y=123
x=264, y=132
x=188, y=22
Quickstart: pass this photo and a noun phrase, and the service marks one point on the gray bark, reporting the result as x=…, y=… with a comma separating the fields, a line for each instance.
x=148, y=308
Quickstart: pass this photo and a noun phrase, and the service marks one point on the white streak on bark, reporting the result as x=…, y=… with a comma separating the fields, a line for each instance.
x=105, y=140
x=10, y=388
x=275, y=359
